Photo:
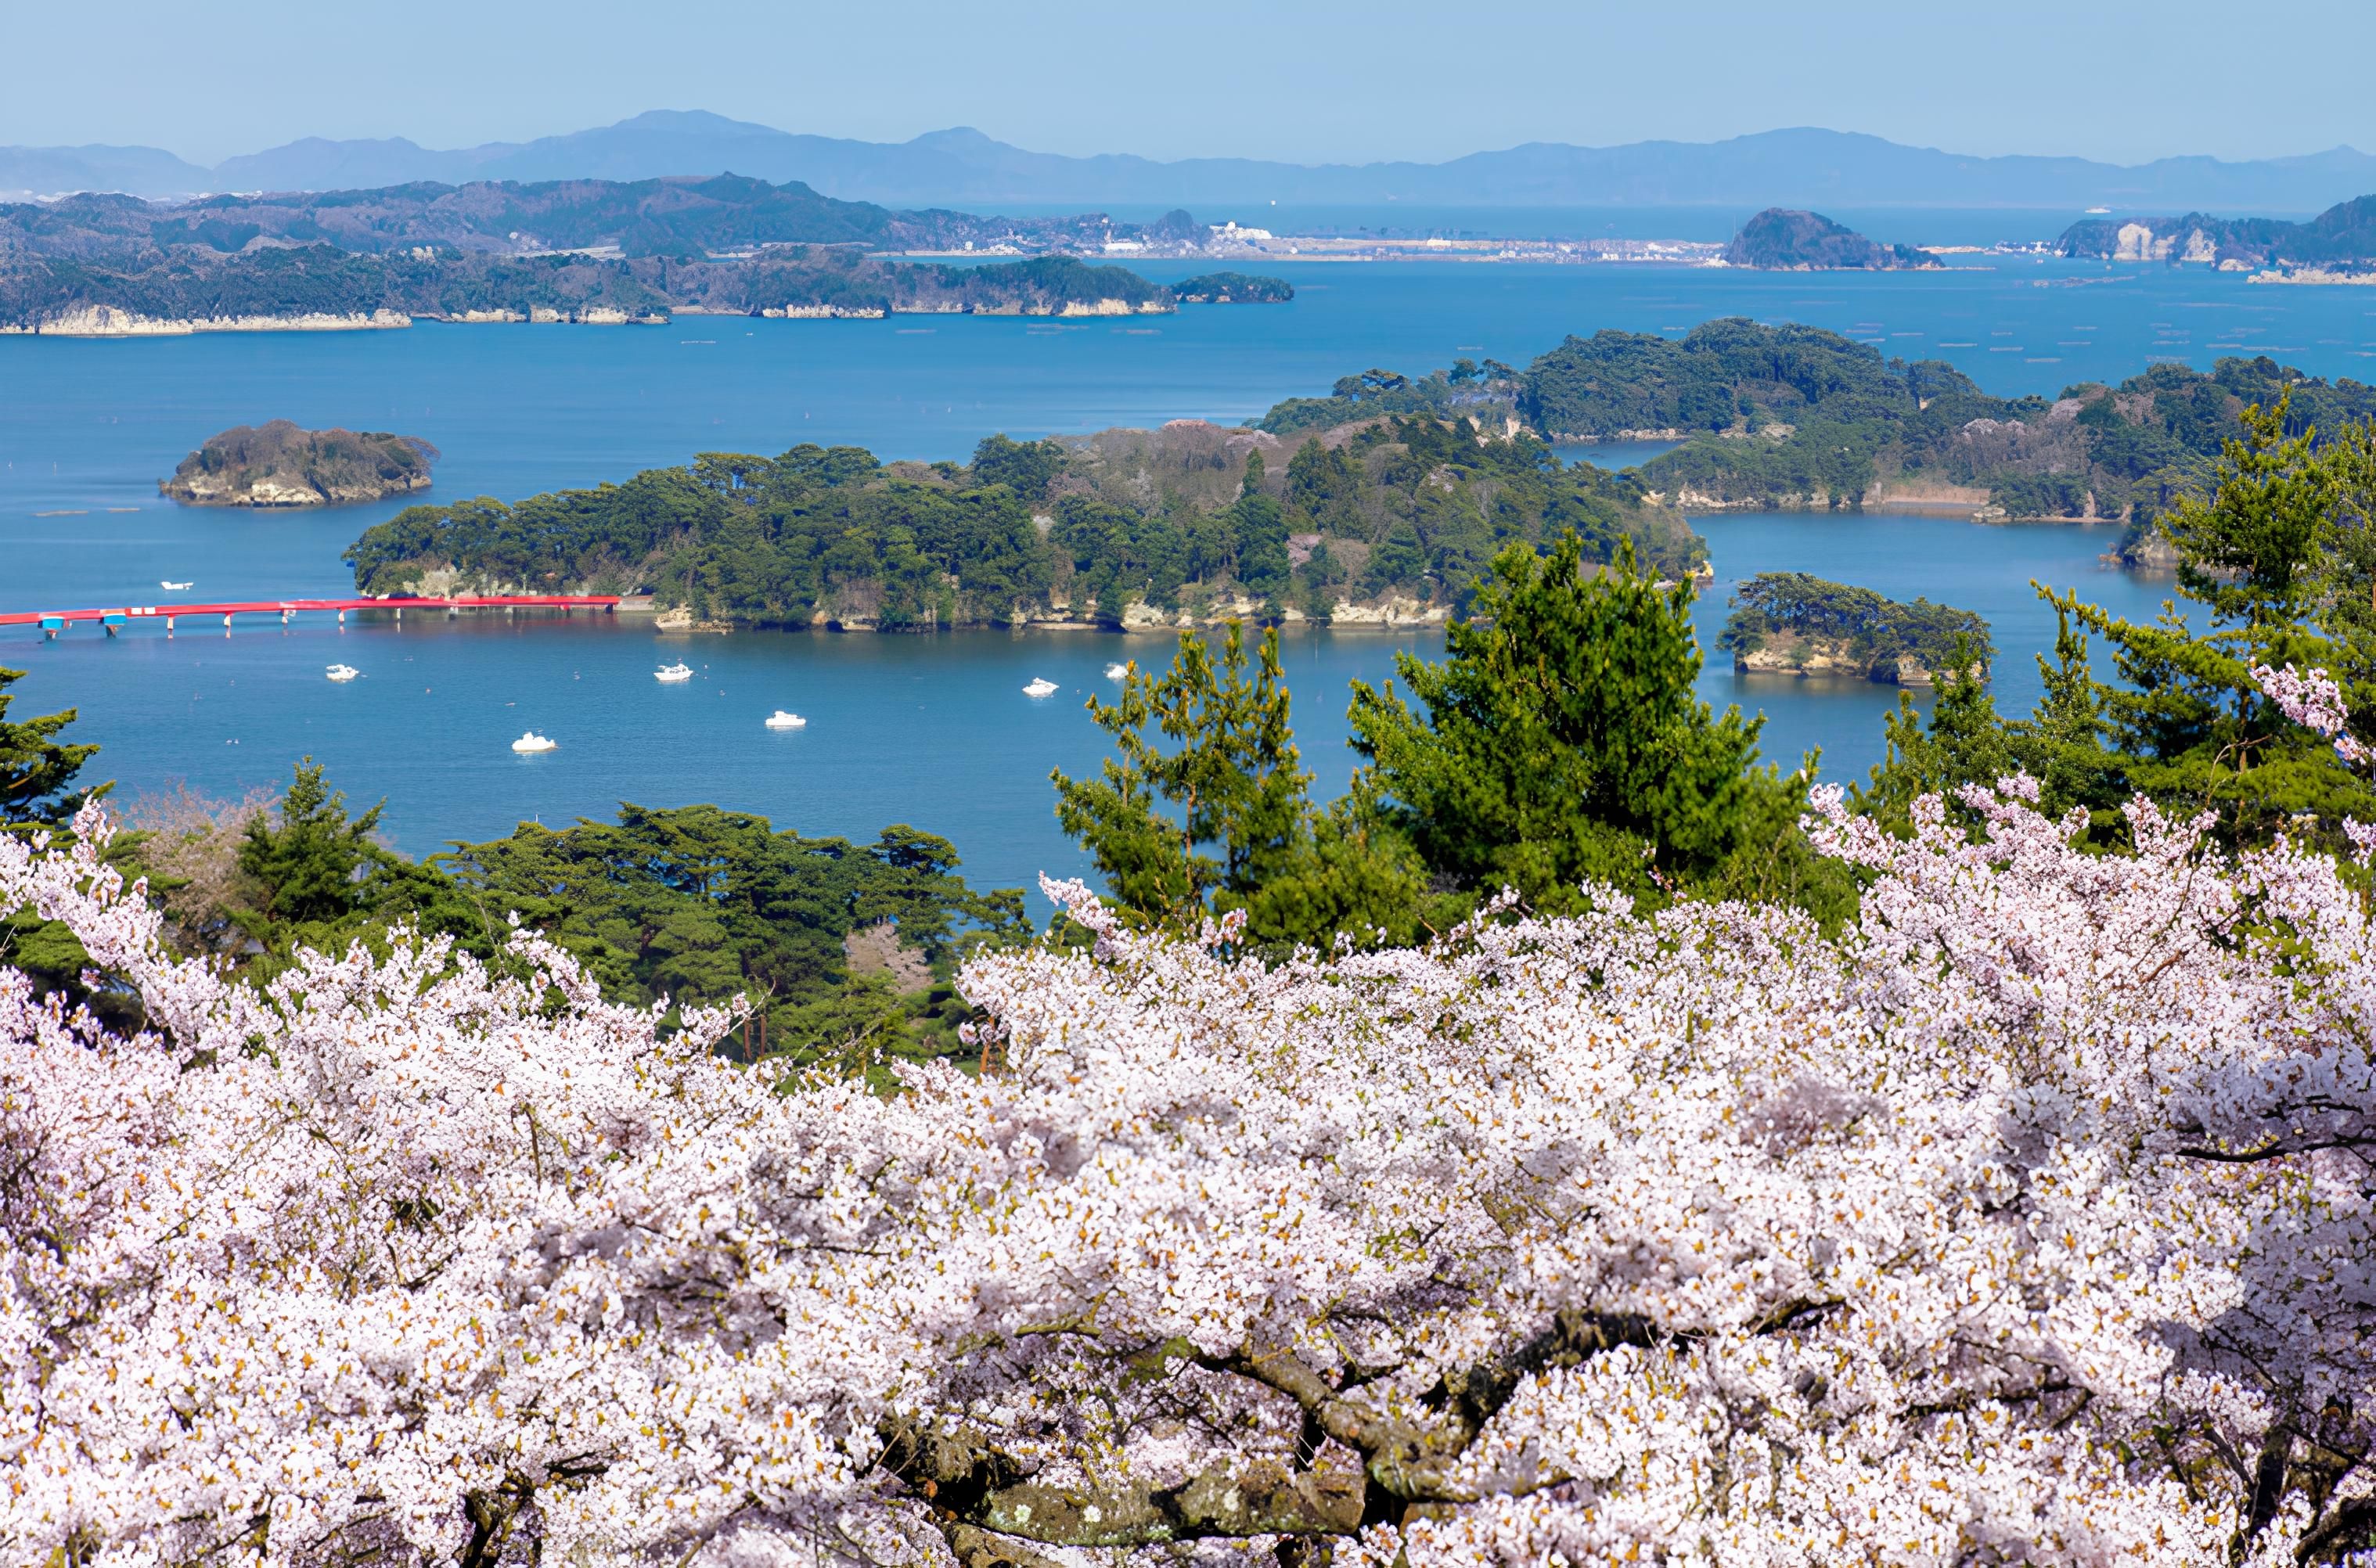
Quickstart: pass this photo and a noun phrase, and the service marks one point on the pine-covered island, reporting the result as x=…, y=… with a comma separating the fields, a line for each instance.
x=588, y=252
x=278, y=464
x=1794, y=623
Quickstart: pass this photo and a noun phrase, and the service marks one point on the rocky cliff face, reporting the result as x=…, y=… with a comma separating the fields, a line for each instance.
x=279, y=465
x=1837, y=658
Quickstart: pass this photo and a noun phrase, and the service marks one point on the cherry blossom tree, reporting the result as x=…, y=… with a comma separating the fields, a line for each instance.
x=2028, y=1220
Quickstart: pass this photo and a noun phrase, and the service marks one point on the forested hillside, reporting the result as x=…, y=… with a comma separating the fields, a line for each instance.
x=1126, y=526
x=684, y=218
x=1798, y=416
x=447, y=284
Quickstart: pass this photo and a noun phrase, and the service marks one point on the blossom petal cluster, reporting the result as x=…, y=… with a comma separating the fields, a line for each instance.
x=2315, y=700
x=2027, y=1221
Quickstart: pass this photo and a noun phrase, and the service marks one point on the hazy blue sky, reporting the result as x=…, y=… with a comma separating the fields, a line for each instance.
x=1382, y=78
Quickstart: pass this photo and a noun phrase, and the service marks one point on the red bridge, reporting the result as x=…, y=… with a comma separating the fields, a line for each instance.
x=52, y=622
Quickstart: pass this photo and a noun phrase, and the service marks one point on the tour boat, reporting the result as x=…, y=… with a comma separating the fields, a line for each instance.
x=177, y=588
x=1039, y=687
x=343, y=672
x=1117, y=672
x=2098, y=211
x=673, y=672
x=532, y=741
x=779, y=719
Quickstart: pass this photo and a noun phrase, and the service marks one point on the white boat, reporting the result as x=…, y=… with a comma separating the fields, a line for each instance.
x=342, y=671
x=673, y=672
x=1117, y=672
x=2098, y=211
x=177, y=588
x=779, y=719
x=1039, y=687
x=532, y=741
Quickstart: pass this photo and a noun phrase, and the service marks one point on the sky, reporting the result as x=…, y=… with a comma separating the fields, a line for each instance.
x=2123, y=80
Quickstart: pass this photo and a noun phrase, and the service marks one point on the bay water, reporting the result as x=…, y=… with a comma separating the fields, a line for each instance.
x=935, y=731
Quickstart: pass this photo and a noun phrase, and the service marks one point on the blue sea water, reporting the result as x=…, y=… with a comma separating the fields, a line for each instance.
x=935, y=731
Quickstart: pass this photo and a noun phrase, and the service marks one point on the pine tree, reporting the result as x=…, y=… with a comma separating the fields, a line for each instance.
x=1562, y=741
x=1964, y=742
x=1224, y=820
x=37, y=770
x=1221, y=810
x=2186, y=722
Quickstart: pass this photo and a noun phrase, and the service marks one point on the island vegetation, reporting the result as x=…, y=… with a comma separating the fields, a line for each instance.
x=276, y=464
x=1781, y=239
x=578, y=250
x=319, y=283
x=679, y=218
x=1233, y=288
x=1794, y=623
x=1389, y=519
x=1797, y=416
x=1487, y=393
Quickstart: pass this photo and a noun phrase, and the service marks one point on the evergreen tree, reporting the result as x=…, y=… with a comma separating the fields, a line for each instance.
x=1221, y=811
x=1562, y=742
x=37, y=769
x=1224, y=821
x=2276, y=567
x=314, y=862
x=1964, y=742
x=38, y=793
x=1260, y=523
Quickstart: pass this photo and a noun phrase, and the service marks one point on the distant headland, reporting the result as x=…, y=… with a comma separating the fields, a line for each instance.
x=1781, y=239
x=2337, y=246
x=278, y=464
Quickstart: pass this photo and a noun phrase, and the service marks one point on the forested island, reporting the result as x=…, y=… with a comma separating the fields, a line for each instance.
x=1385, y=521
x=276, y=464
x=1794, y=623
x=1377, y=504
x=1794, y=416
x=585, y=251
x=682, y=217
x=1233, y=288
x=2340, y=241
x=1781, y=239
x=320, y=287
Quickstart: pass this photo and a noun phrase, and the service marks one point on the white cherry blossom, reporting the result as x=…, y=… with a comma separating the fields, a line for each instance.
x=2027, y=1221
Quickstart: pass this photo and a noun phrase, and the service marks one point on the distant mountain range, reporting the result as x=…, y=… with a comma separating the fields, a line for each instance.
x=961, y=167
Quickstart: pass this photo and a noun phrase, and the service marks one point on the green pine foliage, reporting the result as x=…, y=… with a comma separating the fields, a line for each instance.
x=1858, y=623
x=692, y=904
x=36, y=769
x=1033, y=530
x=1211, y=812
x=1791, y=415
x=1561, y=742
x=2273, y=568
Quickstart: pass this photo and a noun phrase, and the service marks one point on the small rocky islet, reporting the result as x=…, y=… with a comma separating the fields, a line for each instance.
x=280, y=464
